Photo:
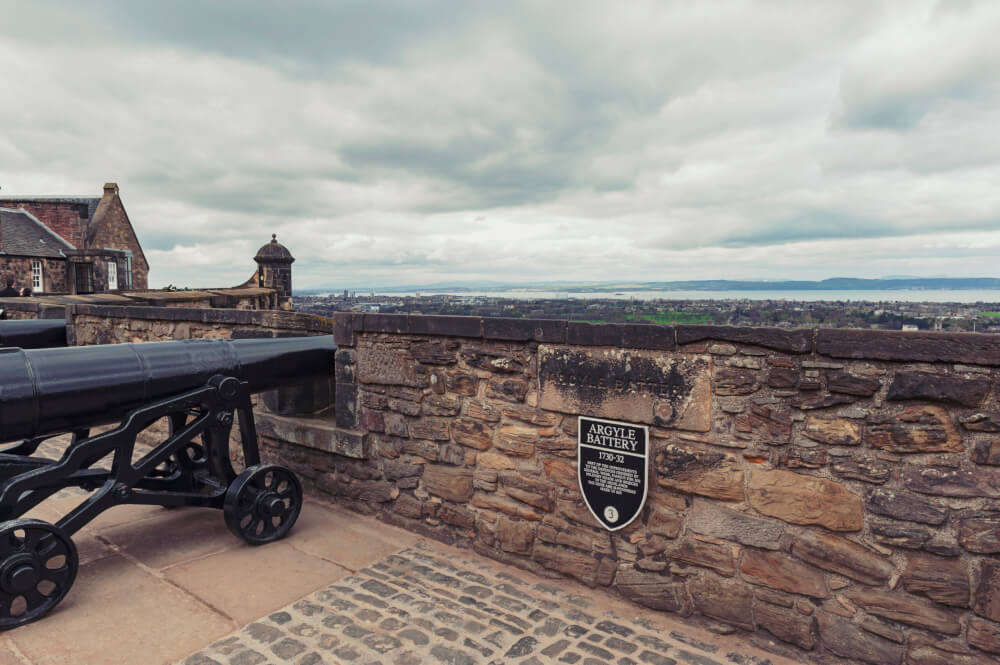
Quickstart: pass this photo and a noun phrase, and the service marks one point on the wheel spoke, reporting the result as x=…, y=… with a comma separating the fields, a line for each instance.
x=58, y=576
x=35, y=600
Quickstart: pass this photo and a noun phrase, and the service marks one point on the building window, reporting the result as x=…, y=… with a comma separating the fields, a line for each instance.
x=36, y=276
x=112, y=276
x=128, y=271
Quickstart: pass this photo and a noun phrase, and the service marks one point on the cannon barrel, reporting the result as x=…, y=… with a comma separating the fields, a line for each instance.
x=60, y=389
x=33, y=333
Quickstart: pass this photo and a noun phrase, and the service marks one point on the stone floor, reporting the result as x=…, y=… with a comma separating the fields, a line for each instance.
x=174, y=586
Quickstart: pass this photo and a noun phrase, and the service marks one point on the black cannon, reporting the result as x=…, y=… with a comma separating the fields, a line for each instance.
x=198, y=386
x=33, y=333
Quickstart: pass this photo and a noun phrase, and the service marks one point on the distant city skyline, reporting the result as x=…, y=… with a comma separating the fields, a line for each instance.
x=423, y=142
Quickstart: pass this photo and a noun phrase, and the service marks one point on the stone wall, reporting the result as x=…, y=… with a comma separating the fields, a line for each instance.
x=53, y=272
x=837, y=492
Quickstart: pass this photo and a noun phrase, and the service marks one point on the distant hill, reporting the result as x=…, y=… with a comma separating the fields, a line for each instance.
x=832, y=284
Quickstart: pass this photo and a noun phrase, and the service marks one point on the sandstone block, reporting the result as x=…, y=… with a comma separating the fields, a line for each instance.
x=984, y=635
x=899, y=534
x=764, y=424
x=801, y=499
x=434, y=429
x=842, y=556
x=441, y=405
x=787, y=625
x=730, y=602
x=494, y=461
x=938, y=388
x=779, y=571
x=436, y=352
x=570, y=562
x=820, y=401
x=942, y=580
x=472, y=433
x=457, y=516
x=710, y=474
x=461, y=383
x=906, y=506
x=562, y=473
x=448, y=482
x=517, y=440
x=711, y=519
x=735, y=381
x=986, y=601
x=918, y=429
x=653, y=590
x=982, y=422
x=848, y=641
x=946, y=481
x=865, y=468
x=844, y=382
x=906, y=609
x=980, y=532
x=718, y=557
x=634, y=385
x=385, y=365
x=507, y=389
x=505, y=505
x=783, y=377
x=926, y=654
x=664, y=523
x=987, y=452
x=834, y=431
x=515, y=536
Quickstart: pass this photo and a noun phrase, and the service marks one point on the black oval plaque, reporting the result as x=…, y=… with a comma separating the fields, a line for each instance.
x=612, y=468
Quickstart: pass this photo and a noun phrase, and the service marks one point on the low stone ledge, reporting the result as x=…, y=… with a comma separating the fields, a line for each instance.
x=524, y=330
x=968, y=348
x=40, y=310
x=625, y=335
x=312, y=433
x=275, y=319
x=798, y=341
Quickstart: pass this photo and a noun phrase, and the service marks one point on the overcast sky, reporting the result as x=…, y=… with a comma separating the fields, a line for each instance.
x=415, y=142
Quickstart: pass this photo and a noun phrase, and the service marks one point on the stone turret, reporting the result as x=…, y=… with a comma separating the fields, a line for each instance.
x=274, y=270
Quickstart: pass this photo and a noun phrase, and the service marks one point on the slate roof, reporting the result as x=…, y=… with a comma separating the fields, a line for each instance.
x=90, y=201
x=21, y=234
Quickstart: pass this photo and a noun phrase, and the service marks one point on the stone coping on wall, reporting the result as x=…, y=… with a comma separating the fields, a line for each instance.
x=31, y=309
x=858, y=344
x=277, y=319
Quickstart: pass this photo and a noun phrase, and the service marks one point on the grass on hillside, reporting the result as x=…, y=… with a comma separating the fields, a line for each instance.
x=667, y=318
x=992, y=315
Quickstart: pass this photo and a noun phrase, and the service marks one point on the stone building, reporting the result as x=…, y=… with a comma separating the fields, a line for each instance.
x=71, y=244
x=274, y=271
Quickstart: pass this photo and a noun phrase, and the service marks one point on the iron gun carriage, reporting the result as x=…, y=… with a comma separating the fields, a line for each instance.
x=200, y=387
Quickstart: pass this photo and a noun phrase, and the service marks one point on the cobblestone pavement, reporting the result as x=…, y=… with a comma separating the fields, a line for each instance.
x=422, y=607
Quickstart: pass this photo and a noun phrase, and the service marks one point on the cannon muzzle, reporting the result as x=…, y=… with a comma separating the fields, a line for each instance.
x=33, y=333
x=61, y=389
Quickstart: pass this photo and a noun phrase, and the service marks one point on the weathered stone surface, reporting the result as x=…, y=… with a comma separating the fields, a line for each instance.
x=507, y=389
x=659, y=592
x=866, y=468
x=834, y=431
x=946, y=481
x=560, y=472
x=369, y=491
x=441, y=405
x=942, y=580
x=457, y=516
x=764, y=424
x=734, y=381
x=571, y=562
x=559, y=532
x=787, y=625
x=982, y=422
x=664, y=523
x=900, y=534
x=844, y=382
x=883, y=629
x=801, y=499
x=980, y=532
x=515, y=535
x=905, y=506
x=472, y=433
x=987, y=452
x=783, y=377
x=821, y=401
x=505, y=505
x=908, y=346
x=918, y=429
x=494, y=461
x=718, y=557
x=461, y=383
x=730, y=602
x=517, y=440
x=986, y=600
x=711, y=519
x=796, y=457
x=634, y=386
x=937, y=388
x=385, y=365
x=927, y=654
x=434, y=429
x=842, y=556
x=790, y=341
x=984, y=635
x=710, y=474
x=439, y=352
x=906, y=609
x=848, y=641
x=448, y=482
x=779, y=571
